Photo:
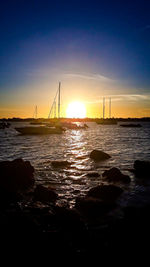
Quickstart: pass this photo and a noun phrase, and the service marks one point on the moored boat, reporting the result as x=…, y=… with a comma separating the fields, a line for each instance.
x=39, y=130
x=106, y=121
x=131, y=125
x=73, y=126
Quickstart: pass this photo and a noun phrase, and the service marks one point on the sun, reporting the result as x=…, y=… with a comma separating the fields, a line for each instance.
x=76, y=110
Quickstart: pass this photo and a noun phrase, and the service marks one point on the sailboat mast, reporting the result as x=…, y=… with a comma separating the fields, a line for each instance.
x=59, y=100
x=103, y=108
x=110, y=107
x=36, y=112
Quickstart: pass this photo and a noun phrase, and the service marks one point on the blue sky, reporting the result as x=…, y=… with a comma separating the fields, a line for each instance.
x=44, y=41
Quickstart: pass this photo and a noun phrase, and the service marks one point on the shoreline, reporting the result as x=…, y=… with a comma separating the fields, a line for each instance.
x=144, y=119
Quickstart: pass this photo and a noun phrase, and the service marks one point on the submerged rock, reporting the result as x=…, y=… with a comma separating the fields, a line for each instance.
x=99, y=155
x=45, y=194
x=142, y=168
x=115, y=175
x=16, y=175
x=60, y=163
x=108, y=193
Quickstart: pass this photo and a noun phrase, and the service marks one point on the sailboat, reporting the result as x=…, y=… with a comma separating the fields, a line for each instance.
x=36, y=121
x=47, y=128
x=31, y=130
x=53, y=107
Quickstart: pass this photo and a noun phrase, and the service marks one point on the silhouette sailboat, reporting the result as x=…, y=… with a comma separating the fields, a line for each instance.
x=53, y=108
x=44, y=129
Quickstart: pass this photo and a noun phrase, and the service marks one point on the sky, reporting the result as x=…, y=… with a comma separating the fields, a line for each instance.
x=95, y=48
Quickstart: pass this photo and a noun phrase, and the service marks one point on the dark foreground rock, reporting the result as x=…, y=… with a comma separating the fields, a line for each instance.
x=45, y=194
x=60, y=164
x=93, y=207
x=115, y=175
x=16, y=175
x=98, y=155
x=142, y=169
x=108, y=193
x=99, y=200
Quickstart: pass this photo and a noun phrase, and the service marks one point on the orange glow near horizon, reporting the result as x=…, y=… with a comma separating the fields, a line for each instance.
x=89, y=110
x=76, y=109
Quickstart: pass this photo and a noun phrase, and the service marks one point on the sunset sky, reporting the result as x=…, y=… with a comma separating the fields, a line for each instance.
x=95, y=48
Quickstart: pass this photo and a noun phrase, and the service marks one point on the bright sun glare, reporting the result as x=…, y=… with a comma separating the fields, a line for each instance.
x=76, y=110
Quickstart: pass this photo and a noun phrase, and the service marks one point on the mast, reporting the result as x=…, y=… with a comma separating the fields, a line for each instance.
x=103, y=107
x=59, y=100
x=36, y=112
x=110, y=107
x=54, y=109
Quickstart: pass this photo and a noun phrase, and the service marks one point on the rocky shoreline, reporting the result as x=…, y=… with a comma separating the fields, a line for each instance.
x=98, y=222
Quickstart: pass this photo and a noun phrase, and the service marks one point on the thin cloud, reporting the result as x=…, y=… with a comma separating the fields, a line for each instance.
x=134, y=97
x=89, y=77
x=128, y=97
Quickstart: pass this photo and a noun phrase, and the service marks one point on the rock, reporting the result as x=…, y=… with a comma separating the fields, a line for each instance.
x=107, y=193
x=16, y=175
x=93, y=174
x=98, y=201
x=142, y=168
x=99, y=155
x=115, y=175
x=60, y=163
x=45, y=194
x=93, y=207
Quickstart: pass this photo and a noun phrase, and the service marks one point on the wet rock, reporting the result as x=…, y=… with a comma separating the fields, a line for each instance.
x=16, y=175
x=93, y=174
x=99, y=155
x=93, y=207
x=60, y=164
x=45, y=194
x=142, y=168
x=107, y=193
x=115, y=175
x=99, y=200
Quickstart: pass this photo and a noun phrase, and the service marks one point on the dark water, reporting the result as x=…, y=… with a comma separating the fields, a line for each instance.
x=123, y=144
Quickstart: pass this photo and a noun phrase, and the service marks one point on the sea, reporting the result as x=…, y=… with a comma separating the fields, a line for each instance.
x=124, y=145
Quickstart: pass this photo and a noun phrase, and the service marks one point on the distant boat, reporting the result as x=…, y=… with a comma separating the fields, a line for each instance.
x=106, y=122
x=131, y=125
x=39, y=130
x=73, y=126
x=36, y=123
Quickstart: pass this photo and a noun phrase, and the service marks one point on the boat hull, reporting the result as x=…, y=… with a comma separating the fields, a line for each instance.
x=38, y=130
x=131, y=125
